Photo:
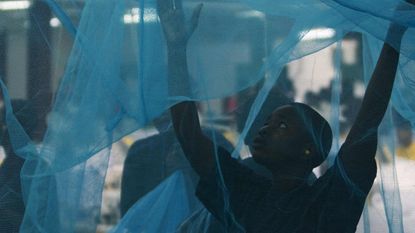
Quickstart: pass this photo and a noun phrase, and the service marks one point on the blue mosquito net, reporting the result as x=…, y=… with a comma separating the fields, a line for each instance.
x=88, y=140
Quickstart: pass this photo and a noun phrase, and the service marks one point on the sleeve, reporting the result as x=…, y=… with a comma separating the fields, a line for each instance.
x=232, y=191
x=344, y=197
x=11, y=201
x=356, y=164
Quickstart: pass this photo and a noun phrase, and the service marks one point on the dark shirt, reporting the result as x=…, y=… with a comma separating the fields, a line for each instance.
x=11, y=201
x=331, y=204
x=202, y=221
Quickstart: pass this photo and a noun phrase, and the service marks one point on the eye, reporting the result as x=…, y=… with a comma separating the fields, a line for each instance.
x=282, y=125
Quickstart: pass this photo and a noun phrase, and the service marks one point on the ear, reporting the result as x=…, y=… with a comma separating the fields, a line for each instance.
x=314, y=156
x=308, y=148
x=308, y=151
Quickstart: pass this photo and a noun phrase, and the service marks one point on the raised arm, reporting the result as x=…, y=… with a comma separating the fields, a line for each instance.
x=361, y=142
x=198, y=149
x=379, y=89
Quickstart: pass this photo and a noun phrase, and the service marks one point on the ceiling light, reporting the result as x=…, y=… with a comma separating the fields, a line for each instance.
x=319, y=34
x=14, y=5
x=134, y=16
x=54, y=22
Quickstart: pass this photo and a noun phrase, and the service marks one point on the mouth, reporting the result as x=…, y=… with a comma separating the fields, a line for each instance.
x=258, y=143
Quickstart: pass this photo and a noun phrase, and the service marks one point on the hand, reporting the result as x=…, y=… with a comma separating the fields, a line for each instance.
x=396, y=29
x=404, y=7
x=176, y=31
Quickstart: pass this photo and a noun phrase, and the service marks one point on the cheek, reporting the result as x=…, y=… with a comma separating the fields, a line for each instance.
x=283, y=145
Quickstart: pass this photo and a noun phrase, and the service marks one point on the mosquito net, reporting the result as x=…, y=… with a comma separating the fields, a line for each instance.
x=89, y=144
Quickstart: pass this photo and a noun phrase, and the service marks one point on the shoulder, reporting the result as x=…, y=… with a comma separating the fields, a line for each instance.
x=244, y=188
x=353, y=180
x=338, y=199
x=227, y=166
x=152, y=144
x=233, y=173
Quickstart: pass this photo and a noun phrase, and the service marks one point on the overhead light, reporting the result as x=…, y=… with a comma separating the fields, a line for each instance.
x=14, y=5
x=251, y=14
x=134, y=16
x=54, y=22
x=131, y=19
x=319, y=34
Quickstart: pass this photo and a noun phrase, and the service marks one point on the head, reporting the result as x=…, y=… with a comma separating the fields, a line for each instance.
x=162, y=122
x=403, y=129
x=25, y=115
x=294, y=135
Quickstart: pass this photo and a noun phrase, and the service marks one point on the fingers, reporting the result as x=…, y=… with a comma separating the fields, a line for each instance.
x=410, y=2
x=194, y=21
x=177, y=4
x=164, y=6
x=405, y=4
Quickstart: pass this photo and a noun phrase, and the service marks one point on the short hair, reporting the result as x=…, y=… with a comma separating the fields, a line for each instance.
x=318, y=129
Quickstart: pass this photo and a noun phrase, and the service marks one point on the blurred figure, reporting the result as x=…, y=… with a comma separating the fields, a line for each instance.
x=406, y=146
x=151, y=160
x=11, y=201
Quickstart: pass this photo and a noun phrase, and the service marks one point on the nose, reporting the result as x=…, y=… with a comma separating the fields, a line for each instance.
x=263, y=131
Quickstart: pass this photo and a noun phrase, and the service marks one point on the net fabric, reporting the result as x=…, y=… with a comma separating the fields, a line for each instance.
x=115, y=82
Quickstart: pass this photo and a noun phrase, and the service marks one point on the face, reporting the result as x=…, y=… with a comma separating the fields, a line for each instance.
x=405, y=137
x=281, y=139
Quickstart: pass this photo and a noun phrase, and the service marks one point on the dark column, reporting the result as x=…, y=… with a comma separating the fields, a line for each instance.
x=3, y=55
x=39, y=67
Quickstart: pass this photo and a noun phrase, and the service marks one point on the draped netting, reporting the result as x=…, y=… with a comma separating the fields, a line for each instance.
x=245, y=58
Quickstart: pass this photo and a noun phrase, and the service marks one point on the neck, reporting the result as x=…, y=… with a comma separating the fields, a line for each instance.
x=290, y=177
